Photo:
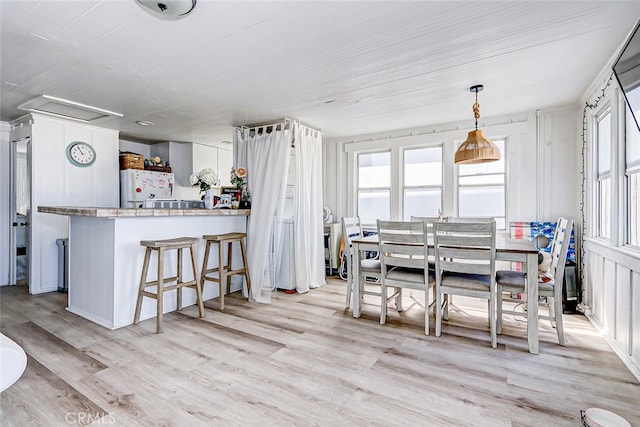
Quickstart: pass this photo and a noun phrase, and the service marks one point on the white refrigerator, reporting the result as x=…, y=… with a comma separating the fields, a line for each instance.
x=138, y=185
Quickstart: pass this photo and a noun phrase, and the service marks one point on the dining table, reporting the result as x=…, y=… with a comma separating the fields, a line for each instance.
x=507, y=249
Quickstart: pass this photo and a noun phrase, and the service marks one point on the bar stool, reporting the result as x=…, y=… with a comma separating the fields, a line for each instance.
x=160, y=246
x=224, y=270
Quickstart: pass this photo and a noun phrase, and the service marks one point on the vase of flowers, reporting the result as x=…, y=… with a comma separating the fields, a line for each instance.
x=239, y=177
x=239, y=180
x=206, y=179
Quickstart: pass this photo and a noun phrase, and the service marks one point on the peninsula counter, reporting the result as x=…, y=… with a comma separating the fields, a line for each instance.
x=105, y=256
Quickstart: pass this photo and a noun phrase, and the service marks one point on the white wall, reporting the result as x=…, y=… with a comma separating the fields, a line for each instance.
x=135, y=147
x=56, y=182
x=5, y=192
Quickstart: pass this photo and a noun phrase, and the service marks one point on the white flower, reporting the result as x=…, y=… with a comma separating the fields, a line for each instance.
x=205, y=179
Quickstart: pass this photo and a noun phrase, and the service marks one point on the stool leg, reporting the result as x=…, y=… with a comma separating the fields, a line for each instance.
x=246, y=267
x=160, y=290
x=197, y=280
x=229, y=264
x=205, y=261
x=143, y=281
x=221, y=273
x=179, y=290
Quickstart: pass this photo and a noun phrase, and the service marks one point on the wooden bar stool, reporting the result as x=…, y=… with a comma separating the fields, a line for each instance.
x=161, y=246
x=224, y=270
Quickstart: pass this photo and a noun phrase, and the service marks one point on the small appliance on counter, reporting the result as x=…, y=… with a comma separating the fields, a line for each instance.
x=137, y=186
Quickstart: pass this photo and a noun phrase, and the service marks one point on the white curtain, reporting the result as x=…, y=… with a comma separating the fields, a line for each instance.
x=308, y=224
x=266, y=151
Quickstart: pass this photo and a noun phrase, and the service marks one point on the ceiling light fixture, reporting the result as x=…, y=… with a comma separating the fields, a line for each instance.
x=477, y=148
x=144, y=123
x=169, y=8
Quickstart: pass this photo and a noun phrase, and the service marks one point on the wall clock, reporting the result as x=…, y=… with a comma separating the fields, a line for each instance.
x=81, y=154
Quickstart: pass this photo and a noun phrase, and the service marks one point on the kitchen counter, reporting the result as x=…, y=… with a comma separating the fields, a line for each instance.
x=105, y=256
x=124, y=212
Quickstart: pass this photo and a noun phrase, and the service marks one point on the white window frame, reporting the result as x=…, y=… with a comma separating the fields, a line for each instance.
x=599, y=178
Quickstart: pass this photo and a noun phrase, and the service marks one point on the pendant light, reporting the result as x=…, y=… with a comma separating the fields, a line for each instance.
x=477, y=148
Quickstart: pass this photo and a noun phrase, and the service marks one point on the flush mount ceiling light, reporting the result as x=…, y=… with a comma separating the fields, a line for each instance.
x=58, y=107
x=144, y=123
x=169, y=8
x=477, y=148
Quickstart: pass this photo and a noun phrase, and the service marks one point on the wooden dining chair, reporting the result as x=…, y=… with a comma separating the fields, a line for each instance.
x=465, y=255
x=403, y=255
x=369, y=280
x=514, y=281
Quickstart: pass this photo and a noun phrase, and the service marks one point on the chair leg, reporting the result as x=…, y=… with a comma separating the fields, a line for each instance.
x=247, y=276
x=207, y=247
x=492, y=321
x=445, y=315
x=229, y=264
x=438, y=309
x=143, y=281
x=426, y=311
x=559, y=325
x=398, y=299
x=160, y=290
x=221, y=274
x=383, y=304
x=197, y=285
x=499, y=311
x=552, y=312
x=179, y=290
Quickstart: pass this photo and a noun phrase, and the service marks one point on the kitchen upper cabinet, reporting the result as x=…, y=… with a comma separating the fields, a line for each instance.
x=218, y=159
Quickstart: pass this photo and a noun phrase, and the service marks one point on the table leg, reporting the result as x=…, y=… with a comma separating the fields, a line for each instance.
x=355, y=279
x=532, y=302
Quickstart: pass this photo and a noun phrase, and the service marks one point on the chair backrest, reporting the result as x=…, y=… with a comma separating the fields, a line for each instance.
x=560, y=247
x=402, y=244
x=351, y=228
x=470, y=219
x=465, y=247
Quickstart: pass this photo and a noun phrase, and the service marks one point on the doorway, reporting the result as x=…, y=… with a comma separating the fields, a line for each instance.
x=20, y=210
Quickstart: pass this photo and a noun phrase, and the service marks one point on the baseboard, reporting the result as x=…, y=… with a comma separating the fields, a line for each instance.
x=631, y=364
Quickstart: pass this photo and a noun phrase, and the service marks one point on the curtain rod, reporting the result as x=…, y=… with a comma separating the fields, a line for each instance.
x=283, y=122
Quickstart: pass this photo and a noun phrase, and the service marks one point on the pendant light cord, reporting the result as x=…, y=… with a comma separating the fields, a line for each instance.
x=476, y=109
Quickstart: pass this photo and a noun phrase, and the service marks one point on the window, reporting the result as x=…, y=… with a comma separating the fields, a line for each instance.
x=374, y=187
x=632, y=180
x=422, y=182
x=603, y=185
x=481, y=189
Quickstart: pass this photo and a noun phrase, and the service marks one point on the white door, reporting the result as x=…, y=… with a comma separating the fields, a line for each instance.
x=20, y=210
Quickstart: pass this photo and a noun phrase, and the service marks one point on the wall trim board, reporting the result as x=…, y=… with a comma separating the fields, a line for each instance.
x=626, y=257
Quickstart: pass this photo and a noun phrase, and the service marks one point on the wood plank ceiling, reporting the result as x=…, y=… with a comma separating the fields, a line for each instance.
x=347, y=67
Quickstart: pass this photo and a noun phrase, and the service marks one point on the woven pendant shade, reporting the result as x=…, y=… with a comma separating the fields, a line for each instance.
x=477, y=148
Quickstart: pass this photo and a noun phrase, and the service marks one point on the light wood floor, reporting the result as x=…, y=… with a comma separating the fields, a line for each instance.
x=304, y=360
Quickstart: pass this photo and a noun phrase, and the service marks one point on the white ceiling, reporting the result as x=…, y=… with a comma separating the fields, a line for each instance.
x=348, y=67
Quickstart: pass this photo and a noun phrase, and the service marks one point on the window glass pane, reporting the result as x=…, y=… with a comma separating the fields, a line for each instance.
x=373, y=205
x=604, y=144
x=632, y=141
x=423, y=166
x=634, y=209
x=604, y=219
x=374, y=170
x=482, y=179
x=481, y=201
x=421, y=202
x=485, y=168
